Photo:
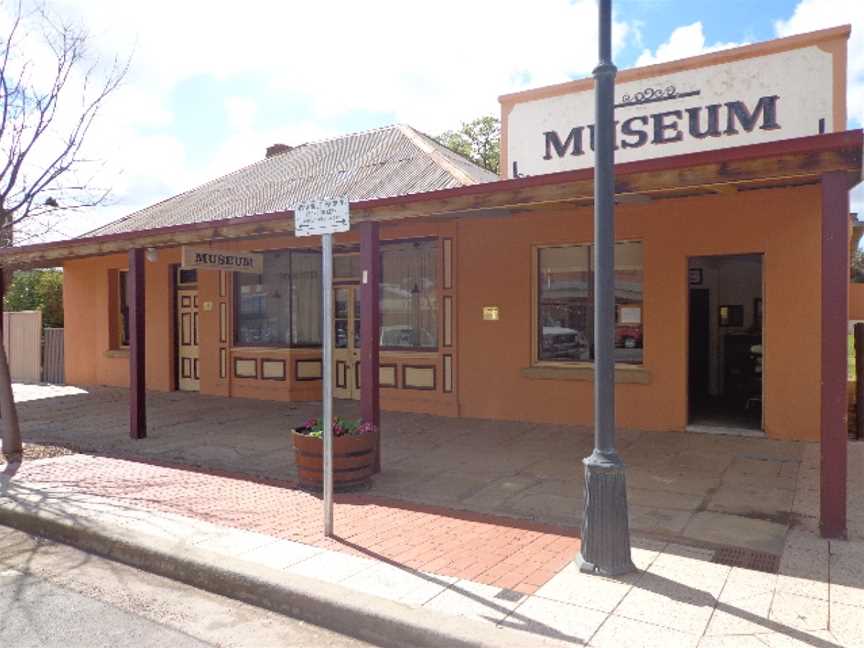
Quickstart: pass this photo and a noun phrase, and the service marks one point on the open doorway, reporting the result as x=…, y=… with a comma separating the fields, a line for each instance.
x=725, y=343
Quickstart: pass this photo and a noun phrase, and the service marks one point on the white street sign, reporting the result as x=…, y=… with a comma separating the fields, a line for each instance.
x=326, y=216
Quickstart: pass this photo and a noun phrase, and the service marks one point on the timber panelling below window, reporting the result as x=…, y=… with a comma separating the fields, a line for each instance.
x=272, y=369
x=308, y=369
x=245, y=368
x=387, y=375
x=418, y=377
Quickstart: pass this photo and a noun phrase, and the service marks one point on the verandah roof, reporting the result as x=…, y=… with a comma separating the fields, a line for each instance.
x=784, y=163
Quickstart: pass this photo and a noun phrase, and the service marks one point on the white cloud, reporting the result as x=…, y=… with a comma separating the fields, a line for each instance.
x=810, y=15
x=247, y=144
x=432, y=65
x=429, y=65
x=684, y=41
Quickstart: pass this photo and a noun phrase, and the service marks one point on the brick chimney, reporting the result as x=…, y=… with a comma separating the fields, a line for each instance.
x=277, y=149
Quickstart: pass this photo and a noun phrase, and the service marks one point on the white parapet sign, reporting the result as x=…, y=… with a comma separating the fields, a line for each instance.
x=760, y=93
x=327, y=216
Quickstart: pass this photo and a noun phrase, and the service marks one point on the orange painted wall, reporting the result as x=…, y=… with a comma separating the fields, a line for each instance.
x=492, y=266
x=89, y=358
x=856, y=301
x=495, y=259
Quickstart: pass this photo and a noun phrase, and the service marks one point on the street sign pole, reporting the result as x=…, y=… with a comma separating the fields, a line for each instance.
x=327, y=345
x=325, y=217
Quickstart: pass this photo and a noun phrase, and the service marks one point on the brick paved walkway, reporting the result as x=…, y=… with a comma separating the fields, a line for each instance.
x=497, y=551
x=696, y=487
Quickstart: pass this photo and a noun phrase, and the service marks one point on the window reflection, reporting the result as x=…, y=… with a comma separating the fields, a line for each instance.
x=566, y=303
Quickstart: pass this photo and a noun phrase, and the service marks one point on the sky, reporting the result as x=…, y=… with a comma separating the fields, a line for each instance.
x=212, y=84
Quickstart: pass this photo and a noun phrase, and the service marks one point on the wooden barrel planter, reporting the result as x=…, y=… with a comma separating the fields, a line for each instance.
x=353, y=460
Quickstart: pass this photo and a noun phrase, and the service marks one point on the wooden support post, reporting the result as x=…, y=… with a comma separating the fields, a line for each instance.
x=834, y=348
x=12, y=446
x=859, y=380
x=137, y=381
x=370, y=327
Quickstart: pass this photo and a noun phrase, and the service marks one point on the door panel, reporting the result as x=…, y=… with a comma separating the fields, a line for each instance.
x=346, y=342
x=187, y=344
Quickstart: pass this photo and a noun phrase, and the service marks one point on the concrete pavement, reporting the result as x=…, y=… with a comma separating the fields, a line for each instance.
x=54, y=596
x=690, y=487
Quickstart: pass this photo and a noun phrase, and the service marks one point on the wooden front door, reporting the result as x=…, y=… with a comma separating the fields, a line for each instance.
x=346, y=342
x=187, y=343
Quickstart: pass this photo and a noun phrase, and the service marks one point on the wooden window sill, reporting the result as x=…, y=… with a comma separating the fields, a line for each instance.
x=624, y=374
x=117, y=353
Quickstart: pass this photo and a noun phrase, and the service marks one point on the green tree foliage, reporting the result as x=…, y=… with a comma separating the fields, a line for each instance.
x=479, y=140
x=37, y=290
x=856, y=267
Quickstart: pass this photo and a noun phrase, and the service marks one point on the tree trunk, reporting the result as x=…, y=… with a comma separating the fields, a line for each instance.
x=11, y=430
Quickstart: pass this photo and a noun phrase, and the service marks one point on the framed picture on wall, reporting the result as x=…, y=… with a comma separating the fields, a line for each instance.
x=731, y=315
x=695, y=275
x=757, y=313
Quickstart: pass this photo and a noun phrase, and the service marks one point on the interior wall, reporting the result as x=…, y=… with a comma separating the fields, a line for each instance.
x=730, y=280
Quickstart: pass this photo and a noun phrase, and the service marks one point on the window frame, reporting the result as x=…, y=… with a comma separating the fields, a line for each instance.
x=122, y=289
x=536, y=361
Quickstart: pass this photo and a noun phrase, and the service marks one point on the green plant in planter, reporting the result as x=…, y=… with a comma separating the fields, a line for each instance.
x=314, y=427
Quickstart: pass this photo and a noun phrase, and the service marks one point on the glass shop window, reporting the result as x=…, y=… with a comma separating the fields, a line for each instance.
x=565, y=312
x=282, y=306
x=123, y=304
x=409, y=295
x=346, y=267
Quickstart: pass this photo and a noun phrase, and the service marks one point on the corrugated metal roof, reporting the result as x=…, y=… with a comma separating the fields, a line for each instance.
x=392, y=161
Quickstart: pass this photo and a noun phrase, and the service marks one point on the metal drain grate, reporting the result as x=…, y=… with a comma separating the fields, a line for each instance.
x=747, y=559
x=508, y=595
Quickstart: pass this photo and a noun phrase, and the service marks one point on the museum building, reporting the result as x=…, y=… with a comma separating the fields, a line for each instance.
x=464, y=294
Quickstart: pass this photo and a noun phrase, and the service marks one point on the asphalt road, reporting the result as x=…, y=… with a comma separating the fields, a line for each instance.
x=52, y=596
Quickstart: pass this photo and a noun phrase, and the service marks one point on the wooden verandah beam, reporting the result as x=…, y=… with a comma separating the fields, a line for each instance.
x=786, y=162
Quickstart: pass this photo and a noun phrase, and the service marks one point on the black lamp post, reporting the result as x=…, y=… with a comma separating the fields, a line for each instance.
x=605, y=529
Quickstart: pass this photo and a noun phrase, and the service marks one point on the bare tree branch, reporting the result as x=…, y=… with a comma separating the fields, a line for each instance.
x=42, y=132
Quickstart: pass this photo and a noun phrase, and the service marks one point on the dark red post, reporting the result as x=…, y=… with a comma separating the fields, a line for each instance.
x=2, y=297
x=859, y=380
x=137, y=382
x=370, y=326
x=834, y=409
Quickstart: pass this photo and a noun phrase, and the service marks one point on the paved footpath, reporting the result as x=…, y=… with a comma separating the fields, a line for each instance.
x=506, y=573
x=83, y=601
